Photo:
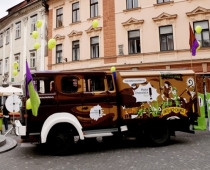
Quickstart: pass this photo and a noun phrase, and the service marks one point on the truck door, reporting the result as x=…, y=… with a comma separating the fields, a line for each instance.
x=70, y=95
x=48, y=103
x=112, y=100
x=95, y=101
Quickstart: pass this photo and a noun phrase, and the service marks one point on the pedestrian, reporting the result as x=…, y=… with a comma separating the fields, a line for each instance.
x=5, y=117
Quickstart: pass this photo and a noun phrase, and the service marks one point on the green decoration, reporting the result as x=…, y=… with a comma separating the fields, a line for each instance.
x=35, y=34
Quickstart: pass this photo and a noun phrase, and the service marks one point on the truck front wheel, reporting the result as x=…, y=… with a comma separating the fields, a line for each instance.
x=159, y=134
x=60, y=141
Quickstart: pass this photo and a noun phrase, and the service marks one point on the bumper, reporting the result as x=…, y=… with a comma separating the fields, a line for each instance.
x=20, y=130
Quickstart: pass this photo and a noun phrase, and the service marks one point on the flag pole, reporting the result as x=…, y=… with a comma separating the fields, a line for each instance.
x=191, y=62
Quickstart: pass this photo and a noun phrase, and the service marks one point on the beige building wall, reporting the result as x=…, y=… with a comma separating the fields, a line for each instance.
x=113, y=32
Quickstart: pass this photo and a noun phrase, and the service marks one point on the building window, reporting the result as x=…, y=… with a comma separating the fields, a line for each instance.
x=17, y=59
x=166, y=38
x=131, y=4
x=0, y=66
x=1, y=39
x=33, y=23
x=134, y=42
x=75, y=50
x=162, y=1
x=93, y=8
x=33, y=59
x=18, y=30
x=59, y=17
x=7, y=36
x=59, y=53
x=94, y=47
x=75, y=12
x=6, y=66
x=204, y=36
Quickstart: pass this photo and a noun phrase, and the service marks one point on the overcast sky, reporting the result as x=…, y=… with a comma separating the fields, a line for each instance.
x=6, y=4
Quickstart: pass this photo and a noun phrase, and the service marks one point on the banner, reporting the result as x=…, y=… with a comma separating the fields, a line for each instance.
x=201, y=120
x=208, y=107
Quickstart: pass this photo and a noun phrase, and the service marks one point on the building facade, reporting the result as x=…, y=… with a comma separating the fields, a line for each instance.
x=17, y=43
x=132, y=34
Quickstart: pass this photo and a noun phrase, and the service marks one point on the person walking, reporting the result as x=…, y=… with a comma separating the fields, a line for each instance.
x=5, y=117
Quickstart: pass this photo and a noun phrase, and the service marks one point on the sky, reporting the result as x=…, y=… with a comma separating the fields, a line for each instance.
x=6, y=4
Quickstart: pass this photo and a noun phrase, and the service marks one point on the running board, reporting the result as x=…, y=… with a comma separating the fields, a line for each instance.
x=99, y=132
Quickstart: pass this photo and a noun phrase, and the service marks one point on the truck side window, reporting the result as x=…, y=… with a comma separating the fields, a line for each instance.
x=43, y=84
x=69, y=84
x=110, y=82
x=94, y=83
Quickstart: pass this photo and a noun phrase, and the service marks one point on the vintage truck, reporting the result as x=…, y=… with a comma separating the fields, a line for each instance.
x=91, y=104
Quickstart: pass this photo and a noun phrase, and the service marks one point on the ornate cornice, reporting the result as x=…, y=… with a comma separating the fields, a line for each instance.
x=164, y=16
x=75, y=33
x=198, y=10
x=59, y=37
x=133, y=21
x=91, y=29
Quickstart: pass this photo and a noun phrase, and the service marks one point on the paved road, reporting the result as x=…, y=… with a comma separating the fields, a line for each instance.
x=185, y=152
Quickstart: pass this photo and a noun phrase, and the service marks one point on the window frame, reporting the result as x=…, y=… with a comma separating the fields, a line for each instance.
x=134, y=38
x=33, y=23
x=77, y=10
x=17, y=60
x=7, y=36
x=1, y=40
x=59, y=16
x=59, y=52
x=166, y=35
x=1, y=66
x=6, y=65
x=164, y=1
x=203, y=30
x=33, y=59
x=77, y=58
x=18, y=30
x=95, y=6
x=94, y=45
x=73, y=78
x=132, y=1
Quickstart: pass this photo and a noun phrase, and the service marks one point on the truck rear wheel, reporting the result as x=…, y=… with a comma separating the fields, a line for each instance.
x=60, y=140
x=159, y=134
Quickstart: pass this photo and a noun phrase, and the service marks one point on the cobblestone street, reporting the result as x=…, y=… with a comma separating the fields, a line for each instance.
x=185, y=151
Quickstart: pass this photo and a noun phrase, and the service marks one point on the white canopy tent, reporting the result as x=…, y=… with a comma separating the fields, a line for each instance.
x=10, y=90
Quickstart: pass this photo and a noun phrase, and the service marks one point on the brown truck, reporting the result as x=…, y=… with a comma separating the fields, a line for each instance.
x=93, y=104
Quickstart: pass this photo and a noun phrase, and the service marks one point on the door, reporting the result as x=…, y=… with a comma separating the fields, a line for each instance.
x=95, y=102
x=70, y=94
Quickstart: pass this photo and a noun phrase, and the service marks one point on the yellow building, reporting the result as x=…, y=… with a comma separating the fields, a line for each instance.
x=131, y=34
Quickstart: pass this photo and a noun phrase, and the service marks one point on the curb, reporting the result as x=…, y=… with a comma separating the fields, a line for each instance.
x=8, y=144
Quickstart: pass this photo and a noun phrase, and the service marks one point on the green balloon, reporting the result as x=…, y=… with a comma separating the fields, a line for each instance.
x=15, y=72
x=15, y=65
x=35, y=34
x=38, y=23
x=37, y=46
x=28, y=104
x=95, y=23
x=52, y=43
x=198, y=29
x=113, y=69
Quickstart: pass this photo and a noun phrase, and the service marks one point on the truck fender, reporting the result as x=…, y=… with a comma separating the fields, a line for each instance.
x=63, y=117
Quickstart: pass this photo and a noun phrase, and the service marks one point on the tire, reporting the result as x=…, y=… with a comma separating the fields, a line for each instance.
x=60, y=140
x=159, y=134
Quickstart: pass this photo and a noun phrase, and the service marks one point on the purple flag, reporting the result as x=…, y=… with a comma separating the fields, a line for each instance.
x=192, y=41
